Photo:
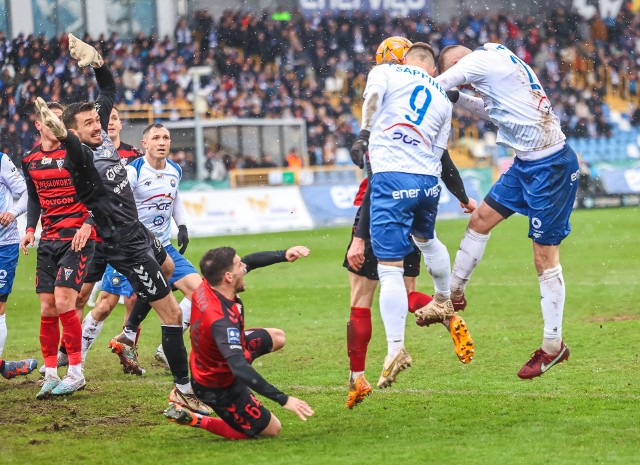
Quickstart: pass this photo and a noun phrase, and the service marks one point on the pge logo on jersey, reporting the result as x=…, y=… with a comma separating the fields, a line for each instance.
x=405, y=139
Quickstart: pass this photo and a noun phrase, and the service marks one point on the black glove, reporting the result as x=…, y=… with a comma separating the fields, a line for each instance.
x=360, y=147
x=183, y=238
x=453, y=95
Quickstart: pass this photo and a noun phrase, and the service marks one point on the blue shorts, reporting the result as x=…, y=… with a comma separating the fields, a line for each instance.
x=542, y=190
x=115, y=283
x=183, y=266
x=8, y=263
x=401, y=204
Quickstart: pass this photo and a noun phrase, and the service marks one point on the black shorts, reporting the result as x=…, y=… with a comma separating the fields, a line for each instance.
x=369, y=268
x=236, y=405
x=138, y=254
x=98, y=264
x=58, y=265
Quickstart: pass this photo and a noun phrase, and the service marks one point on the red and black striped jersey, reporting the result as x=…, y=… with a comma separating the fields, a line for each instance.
x=128, y=153
x=217, y=332
x=49, y=185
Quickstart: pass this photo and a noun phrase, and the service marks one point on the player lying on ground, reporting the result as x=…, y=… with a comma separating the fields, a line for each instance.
x=222, y=354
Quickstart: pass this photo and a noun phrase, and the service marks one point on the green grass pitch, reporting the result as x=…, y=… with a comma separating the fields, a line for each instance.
x=584, y=411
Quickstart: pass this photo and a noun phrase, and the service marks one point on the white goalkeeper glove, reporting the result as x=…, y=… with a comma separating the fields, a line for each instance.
x=50, y=120
x=84, y=53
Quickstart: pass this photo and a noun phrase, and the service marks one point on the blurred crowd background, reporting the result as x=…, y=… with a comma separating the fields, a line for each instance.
x=272, y=66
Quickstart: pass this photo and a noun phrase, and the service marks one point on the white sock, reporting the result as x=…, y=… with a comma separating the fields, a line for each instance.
x=51, y=372
x=3, y=332
x=90, y=331
x=185, y=306
x=394, y=306
x=97, y=287
x=75, y=371
x=185, y=388
x=438, y=263
x=354, y=374
x=552, y=292
x=131, y=335
x=467, y=258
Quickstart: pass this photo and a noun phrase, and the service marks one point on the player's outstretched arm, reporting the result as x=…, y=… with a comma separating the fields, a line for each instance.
x=261, y=259
x=299, y=407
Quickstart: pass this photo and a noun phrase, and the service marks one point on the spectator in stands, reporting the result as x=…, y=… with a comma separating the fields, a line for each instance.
x=266, y=68
x=267, y=161
x=214, y=165
x=293, y=159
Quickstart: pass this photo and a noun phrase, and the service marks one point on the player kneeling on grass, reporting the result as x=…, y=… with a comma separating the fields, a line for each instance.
x=222, y=353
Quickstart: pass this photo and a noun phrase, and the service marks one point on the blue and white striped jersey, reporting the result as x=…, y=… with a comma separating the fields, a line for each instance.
x=11, y=184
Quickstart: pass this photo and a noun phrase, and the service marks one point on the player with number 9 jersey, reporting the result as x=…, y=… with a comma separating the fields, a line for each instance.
x=412, y=122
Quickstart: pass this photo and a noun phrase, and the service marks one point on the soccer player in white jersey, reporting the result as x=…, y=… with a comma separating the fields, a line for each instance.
x=407, y=116
x=11, y=183
x=154, y=180
x=541, y=184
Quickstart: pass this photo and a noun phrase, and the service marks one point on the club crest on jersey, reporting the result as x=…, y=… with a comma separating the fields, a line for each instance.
x=3, y=274
x=115, y=281
x=106, y=152
x=60, y=163
x=173, y=183
x=233, y=335
x=67, y=273
x=45, y=161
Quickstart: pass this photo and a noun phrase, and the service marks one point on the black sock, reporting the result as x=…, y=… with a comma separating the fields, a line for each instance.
x=176, y=353
x=139, y=312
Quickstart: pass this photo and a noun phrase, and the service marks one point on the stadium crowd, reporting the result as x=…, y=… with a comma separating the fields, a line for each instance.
x=312, y=68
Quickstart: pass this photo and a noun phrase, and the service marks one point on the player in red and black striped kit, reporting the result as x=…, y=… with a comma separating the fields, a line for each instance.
x=222, y=351
x=65, y=250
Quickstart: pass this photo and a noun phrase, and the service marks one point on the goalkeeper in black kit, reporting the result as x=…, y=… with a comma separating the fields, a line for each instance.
x=102, y=185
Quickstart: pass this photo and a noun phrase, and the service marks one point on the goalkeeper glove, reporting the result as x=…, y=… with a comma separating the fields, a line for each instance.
x=453, y=95
x=50, y=120
x=84, y=53
x=360, y=147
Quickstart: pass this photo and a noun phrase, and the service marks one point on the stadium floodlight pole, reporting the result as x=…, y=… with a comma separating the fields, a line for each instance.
x=196, y=72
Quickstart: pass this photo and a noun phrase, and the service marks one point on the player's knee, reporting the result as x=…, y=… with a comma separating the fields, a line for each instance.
x=273, y=428
x=278, y=338
x=64, y=302
x=168, y=266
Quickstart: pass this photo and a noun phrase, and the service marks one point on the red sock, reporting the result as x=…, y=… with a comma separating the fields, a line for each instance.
x=418, y=300
x=49, y=337
x=72, y=336
x=219, y=427
x=358, y=337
